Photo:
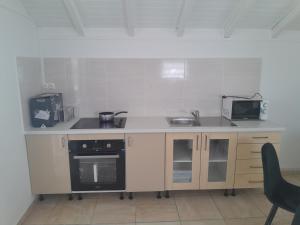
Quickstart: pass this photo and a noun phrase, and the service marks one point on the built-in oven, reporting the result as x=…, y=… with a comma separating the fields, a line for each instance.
x=97, y=165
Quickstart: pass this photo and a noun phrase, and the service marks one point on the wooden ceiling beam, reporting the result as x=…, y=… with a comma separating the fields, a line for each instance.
x=184, y=13
x=128, y=13
x=237, y=13
x=74, y=16
x=282, y=24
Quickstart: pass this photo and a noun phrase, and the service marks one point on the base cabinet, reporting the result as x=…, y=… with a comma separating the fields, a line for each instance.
x=182, y=161
x=249, y=169
x=145, y=162
x=218, y=155
x=48, y=160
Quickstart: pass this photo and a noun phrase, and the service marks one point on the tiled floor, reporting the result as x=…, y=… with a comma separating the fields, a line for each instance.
x=249, y=207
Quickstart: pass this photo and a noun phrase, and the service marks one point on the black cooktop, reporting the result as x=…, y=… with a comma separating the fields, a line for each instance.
x=95, y=123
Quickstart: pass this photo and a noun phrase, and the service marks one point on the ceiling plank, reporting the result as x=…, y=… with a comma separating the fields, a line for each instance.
x=74, y=16
x=128, y=13
x=281, y=25
x=237, y=13
x=184, y=13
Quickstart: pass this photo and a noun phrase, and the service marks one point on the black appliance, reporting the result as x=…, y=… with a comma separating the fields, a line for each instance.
x=97, y=165
x=96, y=123
x=46, y=109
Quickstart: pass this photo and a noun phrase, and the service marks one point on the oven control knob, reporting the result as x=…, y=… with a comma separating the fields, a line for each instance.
x=84, y=145
x=108, y=145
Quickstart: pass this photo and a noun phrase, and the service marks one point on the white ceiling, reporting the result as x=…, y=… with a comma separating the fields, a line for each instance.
x=277, y=15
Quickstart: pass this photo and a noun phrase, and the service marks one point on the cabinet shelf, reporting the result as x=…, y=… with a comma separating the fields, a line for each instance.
x=217, y=160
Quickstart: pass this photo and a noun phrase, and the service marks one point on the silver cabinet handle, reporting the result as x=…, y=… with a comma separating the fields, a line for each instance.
x=129, y=141
x=255, y=167
x=197, y=147
x=205, y=142
x=96, y=157
x=255, y=181
x=63, y=142
x=255, y=151
x=265, y=137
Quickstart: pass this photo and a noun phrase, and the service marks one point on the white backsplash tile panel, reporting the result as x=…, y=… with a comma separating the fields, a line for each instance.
x=152, y=87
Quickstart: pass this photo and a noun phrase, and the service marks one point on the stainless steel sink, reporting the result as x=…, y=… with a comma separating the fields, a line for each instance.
x=183, y=121
x=203, y=121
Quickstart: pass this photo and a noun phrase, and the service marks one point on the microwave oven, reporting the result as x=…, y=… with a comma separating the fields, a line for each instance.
x=236, y=108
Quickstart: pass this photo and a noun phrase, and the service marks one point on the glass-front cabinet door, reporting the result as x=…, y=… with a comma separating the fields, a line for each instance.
x=182, y=161
x=218, y=154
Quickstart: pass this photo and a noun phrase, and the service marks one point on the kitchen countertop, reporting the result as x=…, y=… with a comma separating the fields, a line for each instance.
x=157, y=125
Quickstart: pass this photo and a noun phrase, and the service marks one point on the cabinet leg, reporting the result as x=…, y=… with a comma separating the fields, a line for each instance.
x=226, y=192
x=41, y=198
x=121, y=196
x=79, y=197
x=233, y=193
x=70, y=197
x=167, y=194
x=158, y=194
x=130, y=196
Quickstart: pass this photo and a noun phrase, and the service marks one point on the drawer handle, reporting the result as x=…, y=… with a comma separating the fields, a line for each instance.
x=255, y=181
x=256, y=152
x=256, y=167
x=130, y=141
x=260, y=137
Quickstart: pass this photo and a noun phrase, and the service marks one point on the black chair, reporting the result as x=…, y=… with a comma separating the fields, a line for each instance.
x=279, y=192
x=296, y=220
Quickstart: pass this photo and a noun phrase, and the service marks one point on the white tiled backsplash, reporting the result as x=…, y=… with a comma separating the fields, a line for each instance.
x=150, y=87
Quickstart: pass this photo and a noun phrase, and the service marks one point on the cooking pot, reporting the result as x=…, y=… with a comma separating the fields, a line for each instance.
x=109, y=116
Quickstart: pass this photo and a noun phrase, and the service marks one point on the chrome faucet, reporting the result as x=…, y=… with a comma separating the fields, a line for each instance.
x=196, y=115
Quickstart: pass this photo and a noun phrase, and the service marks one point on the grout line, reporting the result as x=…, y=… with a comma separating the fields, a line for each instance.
x=177, y=209
x=210, y=195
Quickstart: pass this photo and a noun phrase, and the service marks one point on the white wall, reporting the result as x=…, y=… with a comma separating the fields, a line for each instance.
x=17, y=38
x=280, y=64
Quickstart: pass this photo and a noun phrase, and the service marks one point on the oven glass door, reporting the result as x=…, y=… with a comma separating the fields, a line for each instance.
x=97, y=172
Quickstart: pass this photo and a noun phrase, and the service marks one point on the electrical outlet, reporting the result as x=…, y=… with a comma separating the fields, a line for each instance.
x=51, y=86
x=45, y=86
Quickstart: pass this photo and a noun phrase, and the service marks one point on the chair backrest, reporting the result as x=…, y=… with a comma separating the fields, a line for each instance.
x=272, y=174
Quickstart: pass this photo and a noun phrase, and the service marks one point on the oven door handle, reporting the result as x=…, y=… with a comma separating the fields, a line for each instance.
x=97, y=157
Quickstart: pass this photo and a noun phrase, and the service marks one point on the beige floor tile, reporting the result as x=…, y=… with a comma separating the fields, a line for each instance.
x=196, y=193
x=264, y=205
x=197, y=208
x=41, y=212
x=110, y=224
x=240, y=206
x=160, y=223
x=150, y=209
x=204, y=222
x=246, y=221
x=73, y=212
x=294, y=179
x=114, y=211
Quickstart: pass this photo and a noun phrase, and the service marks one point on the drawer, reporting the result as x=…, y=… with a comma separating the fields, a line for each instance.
x=253, y=180
x=248, y=166
x=259, y=137
x=251, y=151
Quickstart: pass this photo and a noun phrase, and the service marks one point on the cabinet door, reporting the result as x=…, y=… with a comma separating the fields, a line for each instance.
x=145, y=162
x=218, y=154
x=182, y=161
x=48, y=161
